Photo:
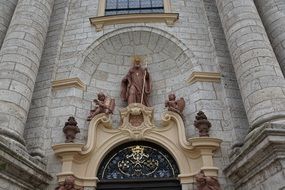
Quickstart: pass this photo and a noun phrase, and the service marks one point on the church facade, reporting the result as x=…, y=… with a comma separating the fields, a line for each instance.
x=142, y=94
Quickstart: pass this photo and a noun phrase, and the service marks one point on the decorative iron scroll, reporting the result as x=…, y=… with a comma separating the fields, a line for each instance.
x=138, y=160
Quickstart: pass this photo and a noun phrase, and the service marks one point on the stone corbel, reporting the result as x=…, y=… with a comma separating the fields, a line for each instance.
x=68, y=83
x=204, y=77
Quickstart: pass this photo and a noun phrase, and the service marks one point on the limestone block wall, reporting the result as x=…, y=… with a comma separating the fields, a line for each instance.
x=101, y=59
x=6, y=12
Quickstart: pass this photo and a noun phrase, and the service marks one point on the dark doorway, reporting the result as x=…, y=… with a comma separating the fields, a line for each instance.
x=170, y=184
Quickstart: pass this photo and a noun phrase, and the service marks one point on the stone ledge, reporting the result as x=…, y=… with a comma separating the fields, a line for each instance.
x=100, y=21
x=264, y=149
x=204, y=77
x=68, y=83
x=20, y=168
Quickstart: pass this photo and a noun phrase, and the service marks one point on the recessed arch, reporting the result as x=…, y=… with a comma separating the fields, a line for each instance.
x=82, y=67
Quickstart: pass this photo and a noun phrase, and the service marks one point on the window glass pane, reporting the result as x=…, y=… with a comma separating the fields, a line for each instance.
x=111, y=4
x=123, y=4
x=122, y=12
x=145, y=3
x=157, y=3
x=107, y=13
x=134, y=3
x=114, y=7
x=134, y=11
x=146, y=11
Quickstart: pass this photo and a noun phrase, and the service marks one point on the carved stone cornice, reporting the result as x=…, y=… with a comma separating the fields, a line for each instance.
x=263, y=149
x=68, y=83
x=100, y=21
x=18, y=167
x=82, y=161
x=204, y=77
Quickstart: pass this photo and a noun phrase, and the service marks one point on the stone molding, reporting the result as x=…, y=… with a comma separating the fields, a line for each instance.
x=204, y=77
x=82, y=161
x=18, y=167
x=100, y=21
x=264, y=149
x=68, y=83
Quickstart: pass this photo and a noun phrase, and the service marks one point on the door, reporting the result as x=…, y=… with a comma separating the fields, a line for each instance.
x=170, y=184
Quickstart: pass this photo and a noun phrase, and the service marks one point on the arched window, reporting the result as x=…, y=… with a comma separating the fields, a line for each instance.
x=118, y=7
x=138, y=161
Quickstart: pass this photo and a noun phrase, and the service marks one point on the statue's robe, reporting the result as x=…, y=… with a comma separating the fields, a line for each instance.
x=132, y=86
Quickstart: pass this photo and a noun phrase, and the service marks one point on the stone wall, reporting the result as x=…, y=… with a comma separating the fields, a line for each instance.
x=101, y=59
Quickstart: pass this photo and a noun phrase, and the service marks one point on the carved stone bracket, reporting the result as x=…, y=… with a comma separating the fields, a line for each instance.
x=82, y=161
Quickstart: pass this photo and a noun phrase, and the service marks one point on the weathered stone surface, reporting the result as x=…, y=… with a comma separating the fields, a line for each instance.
x=21, y=53
x=251, y=85
x=19, y=170
x=272, y=13
x=6, y=12
x=260, y=161
x=243, y=28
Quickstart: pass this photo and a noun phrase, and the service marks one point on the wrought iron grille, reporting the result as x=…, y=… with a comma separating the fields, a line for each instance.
x=118, y=7
x=138, y=160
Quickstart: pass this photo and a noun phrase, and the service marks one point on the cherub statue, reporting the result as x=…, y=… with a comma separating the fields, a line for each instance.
x=103, y=104
x=68, y=184
x=175, y=105
x=206, y=183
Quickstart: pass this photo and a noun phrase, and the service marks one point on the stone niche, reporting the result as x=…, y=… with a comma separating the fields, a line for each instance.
x=192, y=155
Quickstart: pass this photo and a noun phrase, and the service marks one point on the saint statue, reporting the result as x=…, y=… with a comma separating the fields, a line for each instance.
x=136, y=85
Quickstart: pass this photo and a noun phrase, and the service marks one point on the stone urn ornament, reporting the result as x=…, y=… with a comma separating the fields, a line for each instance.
x=70, y=130
x=202, y=124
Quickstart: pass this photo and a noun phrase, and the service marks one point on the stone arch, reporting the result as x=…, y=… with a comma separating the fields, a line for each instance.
x=191, y=155
x=172, y=63
x=80, y=67
x=161, y=162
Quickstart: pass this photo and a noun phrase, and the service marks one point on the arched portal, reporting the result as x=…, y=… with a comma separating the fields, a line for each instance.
x=132, y=153
x=138, y=164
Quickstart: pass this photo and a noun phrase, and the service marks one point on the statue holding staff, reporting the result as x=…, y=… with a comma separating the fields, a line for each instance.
x=136, y=85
